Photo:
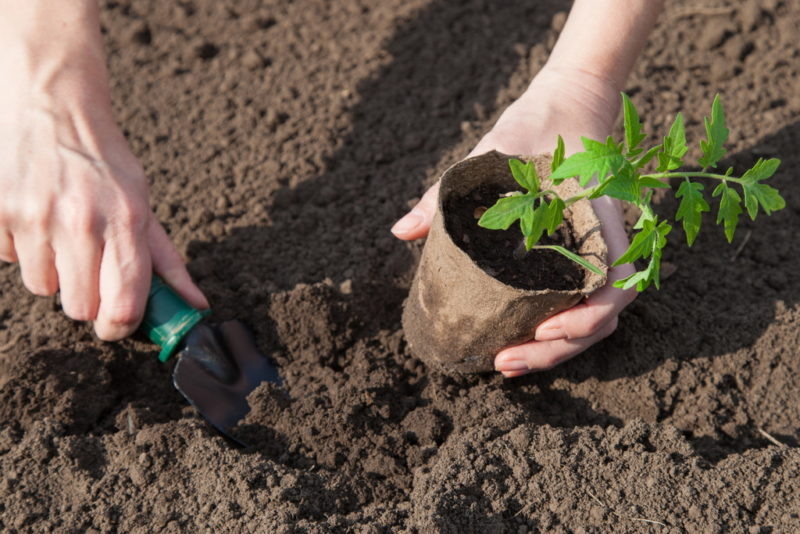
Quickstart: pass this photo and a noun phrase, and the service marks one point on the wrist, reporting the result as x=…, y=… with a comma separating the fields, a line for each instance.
x=588, y=90
x=52, y=52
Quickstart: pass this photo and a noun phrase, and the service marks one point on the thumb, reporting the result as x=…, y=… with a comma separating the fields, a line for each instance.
x=168, y=264
x=417, y=222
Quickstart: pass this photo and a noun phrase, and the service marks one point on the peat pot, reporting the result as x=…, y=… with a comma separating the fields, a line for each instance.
x=458, y=315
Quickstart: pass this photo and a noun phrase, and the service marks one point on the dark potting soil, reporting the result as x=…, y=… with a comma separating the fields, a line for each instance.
x=279, y=157
x=500, y=253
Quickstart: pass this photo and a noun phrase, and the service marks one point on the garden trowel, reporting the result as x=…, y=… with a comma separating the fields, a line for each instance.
x=217, y=365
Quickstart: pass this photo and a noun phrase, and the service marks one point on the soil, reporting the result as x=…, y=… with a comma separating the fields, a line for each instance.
x=501, y=253
x=282, y=140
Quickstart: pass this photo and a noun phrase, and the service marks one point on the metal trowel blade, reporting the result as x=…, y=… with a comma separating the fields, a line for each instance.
x=217, y=367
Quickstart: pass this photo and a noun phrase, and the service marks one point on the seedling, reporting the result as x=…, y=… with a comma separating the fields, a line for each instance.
x=618, y=170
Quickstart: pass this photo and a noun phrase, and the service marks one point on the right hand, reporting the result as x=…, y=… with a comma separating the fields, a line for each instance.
x=74, y=206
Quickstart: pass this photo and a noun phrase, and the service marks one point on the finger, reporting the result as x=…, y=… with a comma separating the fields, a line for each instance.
x=587, y=318
x=543, y=355
x=125, y=271
x=78, y=266
x=7, y=252
x=36, y=261
x=416, y=223
x=170, y=266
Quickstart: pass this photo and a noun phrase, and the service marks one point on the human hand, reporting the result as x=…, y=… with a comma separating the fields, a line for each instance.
x=74, y=206
x=572, y=104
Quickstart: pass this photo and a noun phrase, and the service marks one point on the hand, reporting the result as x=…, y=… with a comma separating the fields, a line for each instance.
x=74, y=206
x=572, y=104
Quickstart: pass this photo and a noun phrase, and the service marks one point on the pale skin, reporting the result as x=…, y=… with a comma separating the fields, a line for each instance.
x=74, y=208
x=576, y=94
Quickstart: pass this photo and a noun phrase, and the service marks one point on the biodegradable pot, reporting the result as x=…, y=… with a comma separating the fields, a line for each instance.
x=457, y=317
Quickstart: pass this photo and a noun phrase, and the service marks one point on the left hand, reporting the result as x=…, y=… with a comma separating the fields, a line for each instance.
x=572, y=104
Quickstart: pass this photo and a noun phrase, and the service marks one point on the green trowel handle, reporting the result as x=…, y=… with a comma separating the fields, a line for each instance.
x=168, y=318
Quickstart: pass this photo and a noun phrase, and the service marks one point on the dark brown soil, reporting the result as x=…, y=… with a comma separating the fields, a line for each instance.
x=501, y=253
x=283, y=139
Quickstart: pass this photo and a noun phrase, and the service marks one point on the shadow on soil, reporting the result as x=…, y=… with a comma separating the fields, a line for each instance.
x=719, y=301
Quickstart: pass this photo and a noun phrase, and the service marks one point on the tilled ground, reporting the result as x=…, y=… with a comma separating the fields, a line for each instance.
x=283, y=139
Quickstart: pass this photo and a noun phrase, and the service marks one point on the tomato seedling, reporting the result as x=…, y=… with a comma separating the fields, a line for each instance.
x=618, y=170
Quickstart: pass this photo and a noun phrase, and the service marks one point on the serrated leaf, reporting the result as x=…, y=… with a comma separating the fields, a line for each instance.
x=674, y=147
x=623, y=184
x=555, y=215
x=644, y=278
x=649, y=155
x=729, y=208
x=525, y=174
x=762, y=170
x=648, y=243
x=647, y=212
x=505, y=212
x=716, y=132
x=756, y=194
x=691, y=208
x=655, y=183
x=558, y=154
x=633, y=127
x=598, y=159
x=574, y=257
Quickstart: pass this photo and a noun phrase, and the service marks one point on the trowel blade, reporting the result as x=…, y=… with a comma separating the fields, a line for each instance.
x=217, y=367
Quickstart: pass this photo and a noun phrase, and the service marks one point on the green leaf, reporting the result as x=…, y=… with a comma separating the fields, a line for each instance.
x=691, y=208
x=555, y=215
x=644, y=160
x=646, y=181
x=633, y=127
x=525, y=174
x=761, y=194
x=717, y=134
x=729, y=208
x=623, y=184
x=647, y=212
x=536, y=226
x=505, y=212
x=648, y=243
x=762, y=170
x=757, y=194
x=598, y=159
x=674, y=147
x=574, y=257
x=558, y=154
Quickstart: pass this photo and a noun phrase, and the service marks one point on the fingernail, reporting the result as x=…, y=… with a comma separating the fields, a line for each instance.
x=407, y=223
x=510, y=364
x=549, y=334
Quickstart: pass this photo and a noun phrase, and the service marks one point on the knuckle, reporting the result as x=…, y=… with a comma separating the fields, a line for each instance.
x=36, y=216
x=131, y=215
x=125, y=315
x=82, y=220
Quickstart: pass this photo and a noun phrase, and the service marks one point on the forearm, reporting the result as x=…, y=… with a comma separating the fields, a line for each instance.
x=53, y=50
x=603, y=38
